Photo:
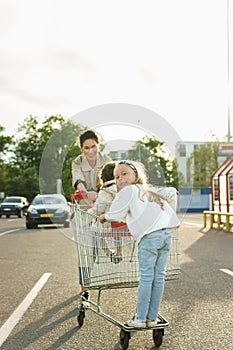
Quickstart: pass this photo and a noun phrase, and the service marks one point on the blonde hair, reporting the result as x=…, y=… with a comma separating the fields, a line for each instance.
x=142, y=181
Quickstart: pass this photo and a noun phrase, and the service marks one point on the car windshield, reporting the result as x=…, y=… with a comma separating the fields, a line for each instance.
x=48, y=200
x=12, y=200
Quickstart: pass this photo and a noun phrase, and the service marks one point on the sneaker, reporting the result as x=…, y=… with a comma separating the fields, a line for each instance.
x=109, y=252
x=136, y=323
x=117, y=259
x=151, y=323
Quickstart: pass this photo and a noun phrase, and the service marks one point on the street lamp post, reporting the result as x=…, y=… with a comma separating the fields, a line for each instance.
x=228, y=75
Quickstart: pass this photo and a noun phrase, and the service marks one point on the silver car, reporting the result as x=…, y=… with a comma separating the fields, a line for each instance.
x=14, y=205
x=47, y=209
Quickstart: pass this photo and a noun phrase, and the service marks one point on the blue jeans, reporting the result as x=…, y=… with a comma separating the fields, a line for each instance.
x=153, y=252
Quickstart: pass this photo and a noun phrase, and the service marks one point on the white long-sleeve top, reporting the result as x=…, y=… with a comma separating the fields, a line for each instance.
x=170, y=193
x=104, y=199
x=142, y=216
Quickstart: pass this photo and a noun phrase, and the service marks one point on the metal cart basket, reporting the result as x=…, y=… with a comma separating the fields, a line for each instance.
x=100, y=270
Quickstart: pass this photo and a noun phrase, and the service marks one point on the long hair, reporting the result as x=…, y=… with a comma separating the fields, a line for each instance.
x=141, y=182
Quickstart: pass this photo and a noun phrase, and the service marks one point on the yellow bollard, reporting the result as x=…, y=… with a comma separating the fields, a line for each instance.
x=219, y=221
x=204, y=219
x=211, y=220
x=227, y=223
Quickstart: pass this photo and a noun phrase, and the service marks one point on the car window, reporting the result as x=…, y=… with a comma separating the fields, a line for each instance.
x=12, y=200
x=37, y=201
x=48, y=200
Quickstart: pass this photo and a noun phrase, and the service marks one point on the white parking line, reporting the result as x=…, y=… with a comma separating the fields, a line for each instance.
x=8, y=326
x=191, y=224
x=9, y=231
x=229, y=272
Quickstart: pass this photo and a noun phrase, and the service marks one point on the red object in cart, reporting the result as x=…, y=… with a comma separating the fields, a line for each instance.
x=118, y=225
x=78, y=195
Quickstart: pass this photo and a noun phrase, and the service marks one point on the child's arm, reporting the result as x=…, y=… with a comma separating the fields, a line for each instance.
x=102, y=203
x=119, y=207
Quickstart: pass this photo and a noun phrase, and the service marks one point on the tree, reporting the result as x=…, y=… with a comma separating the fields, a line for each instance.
x=203, y=162
x=57, y=156
x=161, y=168
x=72, y=153
x=24, y=183
x=5, y=145
x=41, y=153
x=28, y=145
x=5, y=142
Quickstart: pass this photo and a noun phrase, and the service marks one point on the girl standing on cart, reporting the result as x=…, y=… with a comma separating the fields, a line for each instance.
x=149, y=218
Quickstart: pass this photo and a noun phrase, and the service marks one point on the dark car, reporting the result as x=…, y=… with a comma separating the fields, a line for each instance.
x=14, y=205
x=47, y=209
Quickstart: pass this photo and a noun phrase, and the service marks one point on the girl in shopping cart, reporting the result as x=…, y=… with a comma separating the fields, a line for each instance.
x=106, y=195
x=149, y=218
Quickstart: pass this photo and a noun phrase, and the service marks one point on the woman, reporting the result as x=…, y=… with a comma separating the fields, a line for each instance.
x=85, y=170
x=86, y=166
x=149, y=218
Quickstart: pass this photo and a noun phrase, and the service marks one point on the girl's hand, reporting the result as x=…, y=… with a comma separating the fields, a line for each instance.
x=102, y=218
x=155, y=197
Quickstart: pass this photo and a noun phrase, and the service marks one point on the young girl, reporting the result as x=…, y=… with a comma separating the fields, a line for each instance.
x=149, y=218
x=106, y=195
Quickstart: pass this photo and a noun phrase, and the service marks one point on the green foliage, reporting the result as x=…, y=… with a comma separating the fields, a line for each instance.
x=72, y=153
x=203, y=162
x=31, y=139
x=5, y=142
x=57, y=156
x=161, y=168
x=24, y=183
x=42, y=153
x=5, y=145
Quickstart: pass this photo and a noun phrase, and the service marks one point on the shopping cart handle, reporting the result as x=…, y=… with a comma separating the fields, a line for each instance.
x=118, y=225
x=78, y=195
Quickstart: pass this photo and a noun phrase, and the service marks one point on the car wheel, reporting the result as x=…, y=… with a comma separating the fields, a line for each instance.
x=28, y=226
x=7, y=215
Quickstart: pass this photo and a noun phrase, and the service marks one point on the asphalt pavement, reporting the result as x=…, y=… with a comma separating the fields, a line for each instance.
x=39, y=293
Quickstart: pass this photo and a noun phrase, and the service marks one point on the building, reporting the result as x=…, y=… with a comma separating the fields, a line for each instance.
x=222, y=187
x=183, y=151
x=118, y=148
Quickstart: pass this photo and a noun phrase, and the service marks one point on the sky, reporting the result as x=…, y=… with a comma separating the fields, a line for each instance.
x=164, y=56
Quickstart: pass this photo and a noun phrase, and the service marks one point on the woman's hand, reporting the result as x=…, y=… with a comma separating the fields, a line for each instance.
x=102, y=218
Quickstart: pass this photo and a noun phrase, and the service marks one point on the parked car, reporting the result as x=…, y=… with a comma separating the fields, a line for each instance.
x=47, y=209
x=14, y=205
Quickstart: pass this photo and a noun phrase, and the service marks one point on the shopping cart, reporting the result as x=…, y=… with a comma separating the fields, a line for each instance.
x=99, y=271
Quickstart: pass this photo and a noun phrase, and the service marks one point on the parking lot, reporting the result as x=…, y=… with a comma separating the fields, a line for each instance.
x=198, y=305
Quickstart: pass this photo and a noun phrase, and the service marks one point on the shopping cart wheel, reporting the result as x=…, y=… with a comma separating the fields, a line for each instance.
x=158, y=337
x=81, y=315
x=124, y=339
